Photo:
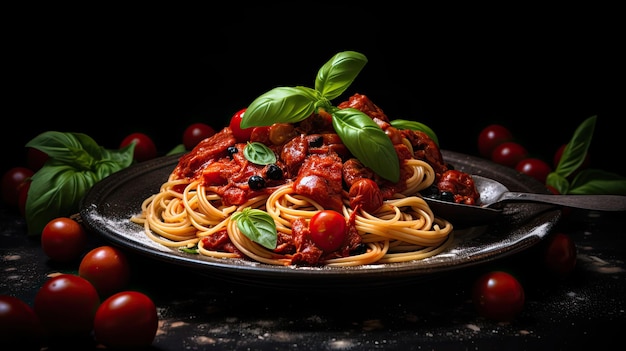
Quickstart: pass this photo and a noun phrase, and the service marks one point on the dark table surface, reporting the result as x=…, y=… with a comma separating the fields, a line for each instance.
x=197, y=311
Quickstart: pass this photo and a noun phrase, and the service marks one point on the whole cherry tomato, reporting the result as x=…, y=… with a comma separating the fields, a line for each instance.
x=241, y=135
x=63, y=239
x=534, y=167
x=22, y=197
x=145, y=149
x=328, y=230
x=126, y=320
x=498, y=295
x=560, y=255
x=492, y=136
x=106, y=268
x=66, y=305
x=509, y=154
x=195, y=133
x=12, y=181
x=19, y=325
x=35, y=158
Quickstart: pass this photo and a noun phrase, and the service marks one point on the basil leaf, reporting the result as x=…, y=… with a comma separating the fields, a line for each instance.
x=76, y=162
x=338, y=73
x=76, y=149
x=413, y=125
x=258, y=226
x=367, y=142
x=576, y=149
x=594, y=181
x=259, y=154
x=56, y=190
x=558, y=182
x=280, y=105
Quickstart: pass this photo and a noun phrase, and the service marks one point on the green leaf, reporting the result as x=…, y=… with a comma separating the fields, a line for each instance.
x=55, y=191
x=367, y=142
x=178, y=149
x=280, y=105
x=259, y=154
x=76, y=149
x=413, y=125
x=258, y=226
x=558, y=182
x=338, y=73
x=76, y=162
x=594, y=181
x=576, y=149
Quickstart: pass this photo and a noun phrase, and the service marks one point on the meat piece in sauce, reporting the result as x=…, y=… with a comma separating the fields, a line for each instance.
x=461, y=185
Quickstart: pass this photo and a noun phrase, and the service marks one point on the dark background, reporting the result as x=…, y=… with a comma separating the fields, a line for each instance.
x=110, y=72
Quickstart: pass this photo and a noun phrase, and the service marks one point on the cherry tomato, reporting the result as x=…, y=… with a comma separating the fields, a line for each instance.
x=195, y=133
x=498, y=295
x=241, y=135
x=12, y=181
x=509, y=154
x=144, y=147
x=35, y=158
x=560, y=255
x=22, y=197
x=106, y=268
x=534, y=167
x=19, y=325
x=127, y=320
x=492, y=136
x=66, y=305
x=328, y=230
x=63, y=239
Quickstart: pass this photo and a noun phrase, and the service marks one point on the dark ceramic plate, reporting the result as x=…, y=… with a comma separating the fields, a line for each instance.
x=108, y=206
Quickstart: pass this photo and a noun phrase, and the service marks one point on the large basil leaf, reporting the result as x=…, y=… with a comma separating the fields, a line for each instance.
x=55, y=191
x=338, y=73
x=367, y=142
x=280, y=105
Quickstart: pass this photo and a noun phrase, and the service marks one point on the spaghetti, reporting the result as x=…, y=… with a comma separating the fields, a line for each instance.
x=403, y=229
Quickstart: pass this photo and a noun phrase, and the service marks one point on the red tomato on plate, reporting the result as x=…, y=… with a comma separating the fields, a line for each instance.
x=328, y=229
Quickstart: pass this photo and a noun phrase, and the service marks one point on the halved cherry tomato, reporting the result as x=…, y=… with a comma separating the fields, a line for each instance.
x=195, y=133
x=63, y=239
x=66, y=305
x=328, y=230
x=498, y=295
x=145, y=149
x=106, y=268
x=241, y=135
x=126, y=320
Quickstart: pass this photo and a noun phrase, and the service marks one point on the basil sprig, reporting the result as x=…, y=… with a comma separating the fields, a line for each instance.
x=257, y=225
x=75, y=163
x=361, y=135
x=587, y=181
